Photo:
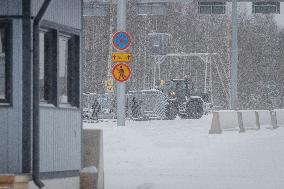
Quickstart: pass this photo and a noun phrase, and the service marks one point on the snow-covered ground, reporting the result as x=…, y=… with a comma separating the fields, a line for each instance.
x=180, y=154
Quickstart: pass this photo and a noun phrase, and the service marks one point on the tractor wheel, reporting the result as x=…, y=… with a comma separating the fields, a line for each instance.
x=171, y=112
x=195, y=109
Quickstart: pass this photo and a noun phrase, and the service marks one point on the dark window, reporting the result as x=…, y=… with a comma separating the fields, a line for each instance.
x=59, y=67
x=41, y=66
x=266, y=7
x=5, y=63
x=211, y=7
x=152, y=8
x=95, y=9
x=74, y=71
x=48, y=66
x=68, y=69
x=62, y=70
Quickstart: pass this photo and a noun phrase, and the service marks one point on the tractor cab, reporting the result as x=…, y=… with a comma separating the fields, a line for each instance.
x=182, y=99
x=179, y=89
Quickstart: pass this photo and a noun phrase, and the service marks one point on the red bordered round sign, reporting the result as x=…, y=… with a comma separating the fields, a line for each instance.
x=121, y=40
x=121, y=72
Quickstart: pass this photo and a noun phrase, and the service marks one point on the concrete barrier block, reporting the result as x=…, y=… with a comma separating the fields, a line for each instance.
x=273, y=119
x=229, y=120
x=88, y=177
x=224, y=120
x=280, y=117
x=264, y=118
x=245, y=119
x=92, y=159
x=215, y=125
x=249, y=119
x=240, y=122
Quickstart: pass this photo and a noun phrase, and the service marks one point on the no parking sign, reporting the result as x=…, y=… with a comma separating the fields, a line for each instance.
x=121, y=40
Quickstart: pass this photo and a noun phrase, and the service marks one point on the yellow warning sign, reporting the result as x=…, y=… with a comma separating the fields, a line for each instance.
x=109, y=89
x=162, y=83
x=121, y=57
x=109, y=82
x=121, y=72
x=109, y=86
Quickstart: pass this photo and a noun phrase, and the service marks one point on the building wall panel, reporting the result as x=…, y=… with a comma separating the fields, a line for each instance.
x=4, y=7
x=14, y=113
x=10, y=119
x=14, y=7
x=60, y=128
x=3, y=140
x=10, y=7
x=60, y=143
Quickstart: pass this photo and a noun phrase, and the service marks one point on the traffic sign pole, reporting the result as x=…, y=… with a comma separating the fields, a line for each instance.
x=121, y=26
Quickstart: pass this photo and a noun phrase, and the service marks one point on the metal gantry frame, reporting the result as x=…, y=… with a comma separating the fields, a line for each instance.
x=206, y=58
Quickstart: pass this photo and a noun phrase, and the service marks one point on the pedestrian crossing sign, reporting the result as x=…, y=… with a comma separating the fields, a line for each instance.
x=121, y=72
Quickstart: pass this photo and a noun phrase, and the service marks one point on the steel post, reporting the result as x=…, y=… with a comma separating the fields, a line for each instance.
x=234, y=58
x=121, y=26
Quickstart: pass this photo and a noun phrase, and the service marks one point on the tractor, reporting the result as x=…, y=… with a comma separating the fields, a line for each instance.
x=182, y=100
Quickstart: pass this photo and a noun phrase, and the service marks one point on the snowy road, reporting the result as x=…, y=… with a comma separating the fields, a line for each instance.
x=180, y=154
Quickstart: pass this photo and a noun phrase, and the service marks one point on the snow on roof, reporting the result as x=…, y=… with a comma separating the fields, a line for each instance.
x=195, y=97
x=178, y=79
x=150, y=90
x=190, y=54
x=146, y=91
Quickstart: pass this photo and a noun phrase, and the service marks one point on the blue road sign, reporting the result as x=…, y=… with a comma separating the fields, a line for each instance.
x=121, y=40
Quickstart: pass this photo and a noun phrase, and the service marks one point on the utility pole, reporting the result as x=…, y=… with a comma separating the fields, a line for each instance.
x=121, y=26
x=234, y=58
x=109, y=77
x=145, y=55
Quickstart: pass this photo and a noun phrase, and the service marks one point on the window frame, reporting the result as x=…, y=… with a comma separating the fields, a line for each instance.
x=7, y=26
x=73, y=88
x=95, y=9
x=259, y=7
x=68, y=37
x=50, y=66
x=212, y=6
x=74, y=101
x=73, y=70
x=152, y=8
x=44, y=32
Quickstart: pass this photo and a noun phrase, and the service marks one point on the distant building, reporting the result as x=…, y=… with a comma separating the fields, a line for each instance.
x=52, y=153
